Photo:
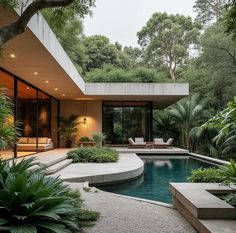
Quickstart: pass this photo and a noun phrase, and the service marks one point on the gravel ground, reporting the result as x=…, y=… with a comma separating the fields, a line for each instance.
x=122, y=215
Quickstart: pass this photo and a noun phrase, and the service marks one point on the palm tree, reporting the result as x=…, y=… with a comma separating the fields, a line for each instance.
x=188, y=115
x=8, y=128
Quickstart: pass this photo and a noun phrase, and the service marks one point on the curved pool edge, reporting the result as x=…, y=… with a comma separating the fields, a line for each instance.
x=86, y=186
x=128, y=167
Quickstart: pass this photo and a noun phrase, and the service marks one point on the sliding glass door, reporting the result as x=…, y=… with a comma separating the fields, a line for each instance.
x=122, y=120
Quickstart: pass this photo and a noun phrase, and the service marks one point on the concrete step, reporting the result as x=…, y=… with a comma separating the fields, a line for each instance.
x=58, y=166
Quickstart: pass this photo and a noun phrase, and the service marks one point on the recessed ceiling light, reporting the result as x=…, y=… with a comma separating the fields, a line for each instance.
x=63, y=95
x=27, y=88
x=56, y=89
x=35, y=73
x=12, y=55
x=47, y=81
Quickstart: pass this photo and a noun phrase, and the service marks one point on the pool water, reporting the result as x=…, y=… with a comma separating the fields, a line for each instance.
x=158, y=173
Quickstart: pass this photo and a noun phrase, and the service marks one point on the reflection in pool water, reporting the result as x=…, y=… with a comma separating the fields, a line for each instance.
x=158, y=173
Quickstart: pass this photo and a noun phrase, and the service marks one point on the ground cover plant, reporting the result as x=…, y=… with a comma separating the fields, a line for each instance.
x=30, y=202
x=224, y=174
x=93, y=154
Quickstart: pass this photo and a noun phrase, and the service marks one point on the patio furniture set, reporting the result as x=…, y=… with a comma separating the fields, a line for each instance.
x=156, y=143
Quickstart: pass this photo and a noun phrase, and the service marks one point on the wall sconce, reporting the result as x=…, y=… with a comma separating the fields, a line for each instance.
x=84, y=124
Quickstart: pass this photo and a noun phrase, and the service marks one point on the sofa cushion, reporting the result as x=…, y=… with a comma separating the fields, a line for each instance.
x=32, y=141
x=23, y=140
x=49, y=141
x=158, y=140
x=42, y=140
x=138, y=140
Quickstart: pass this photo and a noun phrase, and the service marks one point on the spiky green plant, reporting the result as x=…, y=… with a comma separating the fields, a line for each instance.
x=9, y=130
x=98, y=138
x=188, y=114
x=33, y=203
x=229, y=172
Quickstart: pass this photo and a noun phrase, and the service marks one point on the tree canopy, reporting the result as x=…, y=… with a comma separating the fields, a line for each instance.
x=29, y=9
x=209, y=10
x=99, y=51
x=166, y=40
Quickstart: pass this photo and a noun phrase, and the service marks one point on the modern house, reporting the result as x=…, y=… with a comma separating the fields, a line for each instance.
x=44, y=84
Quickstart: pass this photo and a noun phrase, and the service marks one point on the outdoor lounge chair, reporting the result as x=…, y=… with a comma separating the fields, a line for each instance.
x=159, y=142
x=138, y=143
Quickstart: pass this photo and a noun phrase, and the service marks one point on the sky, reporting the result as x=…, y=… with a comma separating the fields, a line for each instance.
x=120, y=20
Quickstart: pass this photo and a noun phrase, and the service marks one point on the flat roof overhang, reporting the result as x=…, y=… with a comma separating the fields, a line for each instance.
x=163, y=94
x=38, y=50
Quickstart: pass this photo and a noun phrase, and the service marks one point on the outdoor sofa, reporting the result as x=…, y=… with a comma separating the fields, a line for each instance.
x=136, y=143
x=159, y=142
x=29, y=144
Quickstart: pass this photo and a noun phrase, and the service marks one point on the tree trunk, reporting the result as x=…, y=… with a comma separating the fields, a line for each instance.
x=13, y=29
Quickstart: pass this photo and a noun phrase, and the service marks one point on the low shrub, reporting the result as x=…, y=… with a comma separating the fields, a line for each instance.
x=31, y=202
x=85, y=139
x=230, y=199
x=206, y=175
x=93, y=155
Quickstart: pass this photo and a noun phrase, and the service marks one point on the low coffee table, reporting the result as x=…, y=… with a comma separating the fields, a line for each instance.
x=149, y=145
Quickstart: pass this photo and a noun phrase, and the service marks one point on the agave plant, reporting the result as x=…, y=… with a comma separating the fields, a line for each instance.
x=33, y=203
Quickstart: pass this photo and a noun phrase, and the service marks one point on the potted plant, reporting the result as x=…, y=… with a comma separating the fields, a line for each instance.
x=68, y=128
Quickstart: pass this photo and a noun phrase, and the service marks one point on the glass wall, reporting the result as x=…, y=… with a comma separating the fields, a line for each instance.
x=37, y=113
x=122, y=120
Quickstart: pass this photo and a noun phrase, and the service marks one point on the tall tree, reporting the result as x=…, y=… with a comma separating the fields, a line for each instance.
x=99, y=51
x=166, y=40
x=29, y=9
x=135, y=55
x=209, y=10
x=212, y=74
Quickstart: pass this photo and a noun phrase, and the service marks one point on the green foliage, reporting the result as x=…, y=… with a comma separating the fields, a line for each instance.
x=225, y=121
x=93, y=155
x=166, y=40
x=230, y=199
x=32, y=202
x=135, y=75
x=68, y=127
x=85, y=139
x=98, y=138
x=209, y=10
x=99, y=51
x=134, y=54
x=215, y=67
x=229, y=172
x=188, y=114
x=206, y=175
x=9, y=130
x=230, y=18
x=164, y=125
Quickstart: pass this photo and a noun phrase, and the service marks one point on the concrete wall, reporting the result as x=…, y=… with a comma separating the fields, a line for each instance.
x=92, y=110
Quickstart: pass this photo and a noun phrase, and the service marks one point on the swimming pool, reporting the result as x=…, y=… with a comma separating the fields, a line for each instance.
x=158, y=173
